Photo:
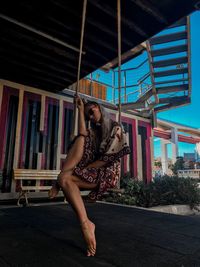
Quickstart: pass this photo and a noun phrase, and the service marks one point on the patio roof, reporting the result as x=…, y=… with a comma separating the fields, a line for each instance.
x=40, y=39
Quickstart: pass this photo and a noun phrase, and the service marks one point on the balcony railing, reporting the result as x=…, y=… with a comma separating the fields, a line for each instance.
x=193, y=173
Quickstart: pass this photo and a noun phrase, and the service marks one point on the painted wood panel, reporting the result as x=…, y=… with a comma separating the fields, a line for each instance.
x=50, y=134
x=145, y=130
x=30, y=131
x=130, y=128
x=44, y=124
x=8, y=122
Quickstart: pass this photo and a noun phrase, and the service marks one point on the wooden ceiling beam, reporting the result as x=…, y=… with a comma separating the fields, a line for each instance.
x=19, y=48
x=46, y=46
x=40, y=65
x=40, y=33
x=32, y=80
x=39, y=42
x=151, y=10
x=104, y=29
x=109, y=11
x=31, y=69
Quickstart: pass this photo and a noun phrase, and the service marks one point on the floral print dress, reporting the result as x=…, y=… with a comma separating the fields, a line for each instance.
x=108, y=175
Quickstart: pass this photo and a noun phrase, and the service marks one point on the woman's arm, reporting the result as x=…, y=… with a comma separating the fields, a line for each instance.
x=81, y=124
x=81, y=120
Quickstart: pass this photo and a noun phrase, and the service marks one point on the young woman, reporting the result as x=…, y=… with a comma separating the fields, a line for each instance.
x=92, y=163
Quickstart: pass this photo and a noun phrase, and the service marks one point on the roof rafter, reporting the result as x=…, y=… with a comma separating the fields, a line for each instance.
x=150, y=9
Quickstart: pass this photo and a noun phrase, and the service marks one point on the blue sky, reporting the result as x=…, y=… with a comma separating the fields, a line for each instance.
x=190, y=114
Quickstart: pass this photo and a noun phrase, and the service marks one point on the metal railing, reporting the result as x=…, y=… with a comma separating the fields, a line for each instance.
x=135, y=82
x=192, y=173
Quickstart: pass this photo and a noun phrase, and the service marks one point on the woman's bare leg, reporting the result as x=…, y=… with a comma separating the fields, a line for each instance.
x=71, y=187
x=73, y=158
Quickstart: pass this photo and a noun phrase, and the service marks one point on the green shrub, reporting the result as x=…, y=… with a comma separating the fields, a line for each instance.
x=165, y=190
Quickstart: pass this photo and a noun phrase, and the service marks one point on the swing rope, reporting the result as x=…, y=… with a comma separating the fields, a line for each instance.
x=81, y=45
x=75, y=121
x=80, y=58
x=119, y=57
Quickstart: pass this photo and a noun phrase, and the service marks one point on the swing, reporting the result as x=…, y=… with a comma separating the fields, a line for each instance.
x=75, y=115
x=117, y=189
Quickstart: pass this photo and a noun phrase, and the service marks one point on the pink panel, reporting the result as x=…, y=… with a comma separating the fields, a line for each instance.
x=148, y=149
x=66, y=105
x=7, y=93
x=125, y=163
x=27, y=96
x=134, y=147
x=48, y=101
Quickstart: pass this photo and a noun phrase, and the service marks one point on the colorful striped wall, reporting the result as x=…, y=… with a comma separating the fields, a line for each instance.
x=35, y=127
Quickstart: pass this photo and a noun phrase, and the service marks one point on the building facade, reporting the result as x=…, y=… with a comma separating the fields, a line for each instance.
x=35, y=128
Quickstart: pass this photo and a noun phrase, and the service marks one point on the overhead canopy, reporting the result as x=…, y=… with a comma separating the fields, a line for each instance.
x=40, y=39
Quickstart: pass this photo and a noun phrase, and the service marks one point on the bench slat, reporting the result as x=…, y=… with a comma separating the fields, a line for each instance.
x=35, y=187
x=33, y=174
x=37, y=175
x=35, y=178
x=34, y=171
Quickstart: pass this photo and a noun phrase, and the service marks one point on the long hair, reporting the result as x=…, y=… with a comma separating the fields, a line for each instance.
x=103, y=130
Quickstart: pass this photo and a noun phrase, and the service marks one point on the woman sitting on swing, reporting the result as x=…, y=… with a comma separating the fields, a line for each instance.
x=92, y=163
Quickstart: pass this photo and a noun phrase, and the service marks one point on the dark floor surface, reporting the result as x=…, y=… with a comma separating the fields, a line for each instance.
x=49, y=236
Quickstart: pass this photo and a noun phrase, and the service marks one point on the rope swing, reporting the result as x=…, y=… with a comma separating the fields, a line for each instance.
x=81, y=45
x=119, y=57
x=74, y=127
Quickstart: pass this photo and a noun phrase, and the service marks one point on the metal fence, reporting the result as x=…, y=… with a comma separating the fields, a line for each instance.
x=135, y=81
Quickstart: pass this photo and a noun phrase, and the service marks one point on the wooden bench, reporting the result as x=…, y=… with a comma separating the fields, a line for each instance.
x=36, y=175
x=42, y=175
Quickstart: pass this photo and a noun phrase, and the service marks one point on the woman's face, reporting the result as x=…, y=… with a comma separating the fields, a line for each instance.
x=93, y=113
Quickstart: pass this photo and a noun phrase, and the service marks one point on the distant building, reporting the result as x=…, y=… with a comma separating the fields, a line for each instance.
x=157, y=168
x=189, y=157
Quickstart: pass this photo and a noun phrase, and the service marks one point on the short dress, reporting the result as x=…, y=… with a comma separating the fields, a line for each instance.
x=107, y=176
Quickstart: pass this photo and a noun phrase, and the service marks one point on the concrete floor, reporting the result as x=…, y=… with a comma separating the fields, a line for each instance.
x=50, y=236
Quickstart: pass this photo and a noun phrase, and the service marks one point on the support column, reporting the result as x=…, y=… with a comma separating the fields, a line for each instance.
x=197, y=152
x=139, y=158
x=164, y=156
x=152, y=152
x=174, y=143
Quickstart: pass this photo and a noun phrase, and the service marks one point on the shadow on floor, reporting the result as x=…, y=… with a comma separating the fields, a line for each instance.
x=50, y=236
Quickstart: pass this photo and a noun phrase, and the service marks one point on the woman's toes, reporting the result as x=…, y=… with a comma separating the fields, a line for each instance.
x=90, y=252
x=88, y=229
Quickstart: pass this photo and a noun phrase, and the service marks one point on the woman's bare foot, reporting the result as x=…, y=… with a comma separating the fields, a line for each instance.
x=88, y=229
x=53, y=192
